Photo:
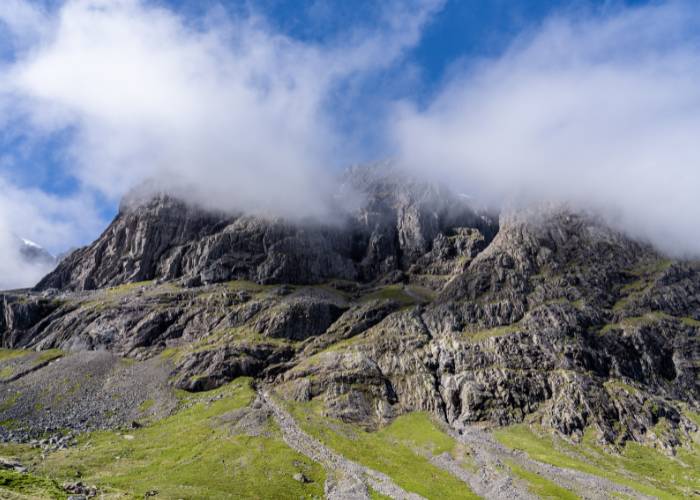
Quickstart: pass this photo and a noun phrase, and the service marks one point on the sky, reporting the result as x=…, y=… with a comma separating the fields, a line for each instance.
x=256, y=105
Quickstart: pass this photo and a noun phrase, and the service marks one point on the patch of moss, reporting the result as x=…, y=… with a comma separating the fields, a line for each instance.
x=635, y=321
x=15, y=362
x=146, y=405
x=498, y=331
x=46, y=356
x=403, y=294
x=29, y=485
x=117, y=291
x=618, y=384
x=375, y=495
x=10, y=354
x=690, y=322
x=400, y=450
x=639, y=467
x=645, y=274
x=9, y=401
x=247, y=286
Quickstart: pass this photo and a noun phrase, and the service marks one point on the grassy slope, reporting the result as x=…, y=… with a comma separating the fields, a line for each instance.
x=639, y=467
x=398, y=450
x=540, y=486
x=191, y=454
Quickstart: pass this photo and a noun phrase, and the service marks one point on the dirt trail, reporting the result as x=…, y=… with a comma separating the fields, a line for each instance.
x=348, y=479
x=489, y=454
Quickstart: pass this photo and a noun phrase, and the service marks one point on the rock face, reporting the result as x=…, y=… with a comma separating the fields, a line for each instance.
x=414, y=302
x=163, y=238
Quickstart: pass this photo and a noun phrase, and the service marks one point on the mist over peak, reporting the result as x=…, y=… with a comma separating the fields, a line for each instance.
x=601, y=112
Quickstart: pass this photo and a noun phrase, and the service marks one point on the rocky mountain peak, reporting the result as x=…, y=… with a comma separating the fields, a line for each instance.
x=160, y=237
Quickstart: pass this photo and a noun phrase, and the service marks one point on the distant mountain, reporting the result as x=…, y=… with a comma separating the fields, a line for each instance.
x=34, y=253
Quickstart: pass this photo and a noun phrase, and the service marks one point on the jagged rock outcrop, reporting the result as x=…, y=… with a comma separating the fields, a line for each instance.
x=546, y=321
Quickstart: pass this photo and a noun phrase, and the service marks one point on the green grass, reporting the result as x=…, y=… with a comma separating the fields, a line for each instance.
x=690, y=322
x=540, y=486
x=28, y=485
x=118, y=291
x=191, y=454
x=642, y=468
x=45, y=356
x=247, y=286
x=652, y=317
x=400, y=450
x=404, y=295
x=146, y=405
x=10, y=355
x=375, y=495
x=645, y=274
x=9, y=401
x=498, y=331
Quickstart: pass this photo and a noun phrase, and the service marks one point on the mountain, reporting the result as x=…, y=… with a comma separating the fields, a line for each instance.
x=409, y=347
x=34, y=253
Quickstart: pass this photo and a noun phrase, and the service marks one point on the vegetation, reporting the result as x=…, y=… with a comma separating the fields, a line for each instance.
x=652, y=317
x=640, y=467
x=192, y=454
x=404, y=295
x=400, y=450
x=540, y=486
x=498, y=331
x=645, y=276
x=28, y=485
x=14, y=360
x=10, y=354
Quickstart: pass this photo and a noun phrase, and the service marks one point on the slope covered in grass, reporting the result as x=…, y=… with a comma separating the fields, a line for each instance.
x=400, y=450
x=196, y=453
x=640, y=467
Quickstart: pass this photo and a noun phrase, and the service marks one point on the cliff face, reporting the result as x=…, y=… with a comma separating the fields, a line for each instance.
x=414, y=302
x=163, y=238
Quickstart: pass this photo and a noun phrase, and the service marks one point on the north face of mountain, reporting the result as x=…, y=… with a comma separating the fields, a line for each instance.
x=415, y=302
x=398, y=225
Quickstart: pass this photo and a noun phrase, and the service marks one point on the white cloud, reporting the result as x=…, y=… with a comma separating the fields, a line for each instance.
x=234, y=114
x=601, y=112
x=36, y=216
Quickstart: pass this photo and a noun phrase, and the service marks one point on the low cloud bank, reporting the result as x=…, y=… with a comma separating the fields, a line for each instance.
x=601, y=112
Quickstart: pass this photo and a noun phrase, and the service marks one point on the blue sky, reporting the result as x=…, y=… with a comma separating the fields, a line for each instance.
x=249, y=105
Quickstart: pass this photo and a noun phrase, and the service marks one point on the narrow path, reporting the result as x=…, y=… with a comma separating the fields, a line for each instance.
x=490, y=454
x=348, y=480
